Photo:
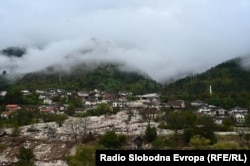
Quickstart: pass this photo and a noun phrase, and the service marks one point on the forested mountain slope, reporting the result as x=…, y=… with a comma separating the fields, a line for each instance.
x=229, y=82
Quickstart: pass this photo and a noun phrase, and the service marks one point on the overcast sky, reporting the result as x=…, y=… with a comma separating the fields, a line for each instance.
x=164, y=38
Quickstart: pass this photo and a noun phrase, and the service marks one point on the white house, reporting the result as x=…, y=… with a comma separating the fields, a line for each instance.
x=47, y=100
x=83, y=94
x=238, y=110
x=205, y=110
x=118, y=104
x=149, y=97
x=239, y=118
x=220, y=113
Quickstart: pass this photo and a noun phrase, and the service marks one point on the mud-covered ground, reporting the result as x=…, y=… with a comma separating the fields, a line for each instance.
x=50, y=147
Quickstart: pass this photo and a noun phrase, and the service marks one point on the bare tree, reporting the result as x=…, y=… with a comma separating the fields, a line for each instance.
x=148, y=114
x=127, y=128
x=84, y=128
x=77, y=127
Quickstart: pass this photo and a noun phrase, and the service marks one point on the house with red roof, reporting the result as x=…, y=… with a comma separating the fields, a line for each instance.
x=9, y=110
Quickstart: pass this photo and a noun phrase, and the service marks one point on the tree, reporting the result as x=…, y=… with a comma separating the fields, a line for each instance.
x=110, y=140
x=199, y=142
x=60, y=118
x=23, y=117
x=188, y=134
x=205, y=127
x=180, y=120
x=247, y=138
x=77, y=127
x=247, y=119
x=159, y=142
x=85, y=156
x=150, y=134
x=206, y=121
x=71, y=110
x=15, y=132
x=84, y=129
x=25, y=157
x=31, y=100
x=75, y=101
x=226, y=145
x=148, y=114
x=102, y=108
x=228, y=123
x=14, y=95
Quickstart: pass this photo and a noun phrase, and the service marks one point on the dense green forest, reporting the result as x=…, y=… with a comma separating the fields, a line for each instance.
x=82, y=77
x=229, y=81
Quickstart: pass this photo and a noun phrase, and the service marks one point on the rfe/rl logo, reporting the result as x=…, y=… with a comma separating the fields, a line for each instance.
x=226, y=157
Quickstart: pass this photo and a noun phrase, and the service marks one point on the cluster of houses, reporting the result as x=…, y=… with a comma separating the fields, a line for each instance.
x=219, y=114
x=91, y=99
x=10, y=109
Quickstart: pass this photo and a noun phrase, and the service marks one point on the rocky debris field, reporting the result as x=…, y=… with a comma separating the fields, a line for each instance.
x=50, y=143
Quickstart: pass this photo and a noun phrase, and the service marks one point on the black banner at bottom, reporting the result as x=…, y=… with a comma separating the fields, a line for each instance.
x=175, y=157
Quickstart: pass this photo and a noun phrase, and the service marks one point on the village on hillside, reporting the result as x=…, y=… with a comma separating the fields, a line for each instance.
x=122, y=100
x=128, y=115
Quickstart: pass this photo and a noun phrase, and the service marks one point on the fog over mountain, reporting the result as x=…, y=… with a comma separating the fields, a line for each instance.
x=166, y=39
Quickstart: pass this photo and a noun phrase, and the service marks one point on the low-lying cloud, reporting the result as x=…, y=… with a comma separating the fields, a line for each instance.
x=166, y=39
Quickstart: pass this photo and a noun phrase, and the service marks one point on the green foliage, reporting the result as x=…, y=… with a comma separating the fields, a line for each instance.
x=205, y=121
x=14, y=96
x=110, y=140
x=174, y=141
x=70, y=110
x=15, y=132
x=58, y=118
x=101, y=109
x=188, y=134
x=150, y=134
x=25, y=157
x=247, y=119
x=23, y=117
x=199, y=142
x=180, y=120
x=167, y=142
x=103, y=77
x=247, y=138
x=202, y=131
x=226, y=145
x=74, y=101
x=230, y=85
x=31, y=100
x=227, y=124
x=204, y=126
x=85, y=156
x=159, y=143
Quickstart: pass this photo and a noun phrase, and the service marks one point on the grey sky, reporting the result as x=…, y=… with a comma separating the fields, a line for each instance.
x=164, y=38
